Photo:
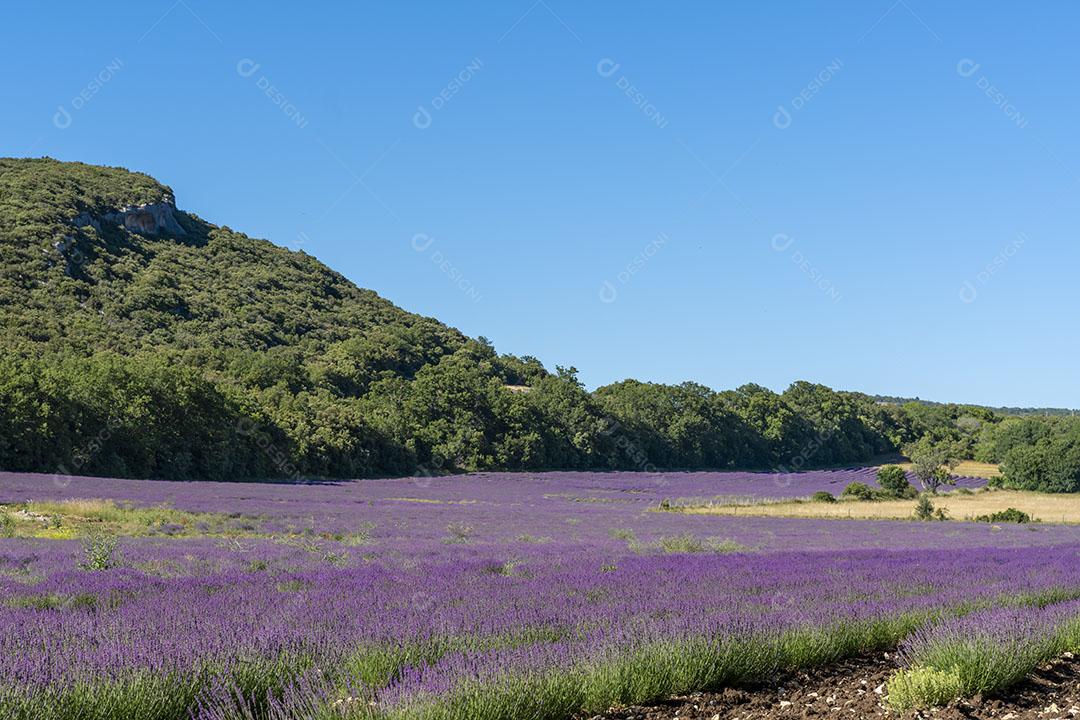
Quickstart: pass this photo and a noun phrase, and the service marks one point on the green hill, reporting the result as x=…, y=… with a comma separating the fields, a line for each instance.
x=141, y=340
x=86, y=276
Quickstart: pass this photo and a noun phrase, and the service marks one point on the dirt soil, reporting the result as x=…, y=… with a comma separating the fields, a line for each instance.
x=855, y=689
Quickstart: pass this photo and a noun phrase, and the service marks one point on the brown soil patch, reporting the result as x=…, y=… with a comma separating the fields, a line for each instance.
x=855, y=689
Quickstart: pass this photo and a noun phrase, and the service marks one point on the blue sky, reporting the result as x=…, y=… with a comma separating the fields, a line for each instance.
x=878, y=196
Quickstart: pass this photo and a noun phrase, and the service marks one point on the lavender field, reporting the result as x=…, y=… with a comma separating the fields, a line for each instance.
x=493, y=595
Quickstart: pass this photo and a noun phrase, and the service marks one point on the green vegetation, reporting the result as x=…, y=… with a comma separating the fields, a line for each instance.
x=1051, y=464
x=201, y=353
x=1008, y=515
x=100, y=552
x=894, y=483
x=925, y=687
x=92, y=518
x=858, y=491
x=931, y=461
x=924, y=509
x=984, y=660
x=823, y=496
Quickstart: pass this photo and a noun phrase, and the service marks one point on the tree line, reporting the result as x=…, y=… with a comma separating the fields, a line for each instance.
x=281, y=414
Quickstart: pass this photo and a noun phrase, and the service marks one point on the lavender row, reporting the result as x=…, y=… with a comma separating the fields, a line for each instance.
x=982, y=652
x=423, y=634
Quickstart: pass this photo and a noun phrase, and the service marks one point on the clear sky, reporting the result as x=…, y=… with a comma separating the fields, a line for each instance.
x=878, y=195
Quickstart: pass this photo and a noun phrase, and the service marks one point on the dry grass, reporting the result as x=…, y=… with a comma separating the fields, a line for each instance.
x=1056, y=508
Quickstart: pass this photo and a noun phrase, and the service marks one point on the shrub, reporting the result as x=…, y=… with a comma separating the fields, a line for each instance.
x=924, y=509
x=1009, y=515
x=893, y=481
x=527, y=538
x=724, y=545
x=823, y=496
x=685, y=543
x=859, y=491
x=923, y=687
x=363, y=534
x=7, y=525
x=459, y=533
x=99, y=551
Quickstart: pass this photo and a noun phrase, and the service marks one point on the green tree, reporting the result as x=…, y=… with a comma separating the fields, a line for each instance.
x=893, y=480
x=931, y=462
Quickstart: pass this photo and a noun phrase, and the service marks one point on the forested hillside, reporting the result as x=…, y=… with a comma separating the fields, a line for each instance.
x=140, y=340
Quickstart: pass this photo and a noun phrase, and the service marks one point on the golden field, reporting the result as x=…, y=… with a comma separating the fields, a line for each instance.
x=1041, y=506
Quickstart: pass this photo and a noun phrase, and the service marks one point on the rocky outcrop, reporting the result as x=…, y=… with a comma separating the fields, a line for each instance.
x=148, y=219
x=68, y=249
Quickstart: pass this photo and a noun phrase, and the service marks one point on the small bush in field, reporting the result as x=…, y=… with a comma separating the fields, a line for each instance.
x=7, y=525
x=893, y=481
x=924, y=508
x=685, y=543
x=99, y=552
x=923, y=687
x=1009, y=515
x=823, y=496
x=723, y=545
x=858, y=491
x=459, y=533
x=362, y=536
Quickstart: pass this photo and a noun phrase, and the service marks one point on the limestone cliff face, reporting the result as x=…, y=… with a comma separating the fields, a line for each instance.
x=148, y=219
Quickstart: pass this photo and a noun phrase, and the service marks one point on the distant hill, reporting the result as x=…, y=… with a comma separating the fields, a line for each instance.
x=894, y=400
x=99, y=258
x=139, y=340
